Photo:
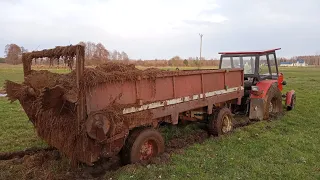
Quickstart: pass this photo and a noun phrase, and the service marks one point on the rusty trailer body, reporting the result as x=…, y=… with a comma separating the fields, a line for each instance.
x=171, y=94
x=122, y=116
x=168, y=98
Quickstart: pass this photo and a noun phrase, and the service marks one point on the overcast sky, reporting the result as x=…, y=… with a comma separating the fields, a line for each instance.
x=151, y=29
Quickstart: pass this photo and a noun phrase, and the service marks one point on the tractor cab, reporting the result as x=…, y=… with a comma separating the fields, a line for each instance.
x=257, y=65
x=263, y=82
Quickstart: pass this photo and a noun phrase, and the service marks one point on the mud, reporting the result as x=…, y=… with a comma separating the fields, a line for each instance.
x=175, y=145
x=42, y=165
x=49, y=164
x=20, y=154
x=116, y=72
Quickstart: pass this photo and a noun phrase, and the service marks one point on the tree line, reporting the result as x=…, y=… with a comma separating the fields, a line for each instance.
x=95, y=53
x=310, y=60
x=176, y=61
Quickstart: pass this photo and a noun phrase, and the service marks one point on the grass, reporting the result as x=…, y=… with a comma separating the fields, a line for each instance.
x=15, y=72
x=10, y=73
x=17, y=133
x=287, y=148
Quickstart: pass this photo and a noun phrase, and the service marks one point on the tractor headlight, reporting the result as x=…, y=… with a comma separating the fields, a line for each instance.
x=254, y=88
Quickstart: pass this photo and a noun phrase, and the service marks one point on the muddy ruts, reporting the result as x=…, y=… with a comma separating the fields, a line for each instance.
x=20, y=154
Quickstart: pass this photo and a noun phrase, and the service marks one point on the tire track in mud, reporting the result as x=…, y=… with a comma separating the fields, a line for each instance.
x=175, y=145
x=21, y=154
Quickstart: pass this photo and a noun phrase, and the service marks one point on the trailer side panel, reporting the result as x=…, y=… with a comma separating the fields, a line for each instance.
x=207, y=86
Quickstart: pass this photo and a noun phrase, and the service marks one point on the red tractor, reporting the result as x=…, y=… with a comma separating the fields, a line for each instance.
x=263, y=83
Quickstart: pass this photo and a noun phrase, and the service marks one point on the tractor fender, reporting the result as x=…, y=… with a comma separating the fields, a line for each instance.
x=263, y=89
x=258, y=99
x=280, y=81
x=289, y=97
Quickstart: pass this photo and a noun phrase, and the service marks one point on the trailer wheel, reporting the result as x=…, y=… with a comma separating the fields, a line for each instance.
x=221, y=122
x=274, y=101
x=141, y=145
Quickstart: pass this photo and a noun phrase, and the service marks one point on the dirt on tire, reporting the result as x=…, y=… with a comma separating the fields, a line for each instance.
x=215, y=124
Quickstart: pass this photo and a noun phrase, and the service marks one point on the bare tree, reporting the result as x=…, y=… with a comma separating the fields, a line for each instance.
x=174, y=61
x=114, y=55
x=90, y=48
x=119, y=56
x=185, y=62
x=23, y=50
x=124, y=56
x=101, y=53
x=13, y=54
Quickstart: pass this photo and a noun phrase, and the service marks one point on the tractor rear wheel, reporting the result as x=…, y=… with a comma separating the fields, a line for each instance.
x=141, y=145
x=274, y=101
x=221, y=122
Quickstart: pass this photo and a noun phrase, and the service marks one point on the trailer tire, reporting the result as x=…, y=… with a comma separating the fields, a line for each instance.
x=142, y=144
x=273, y=102
x=220, y=122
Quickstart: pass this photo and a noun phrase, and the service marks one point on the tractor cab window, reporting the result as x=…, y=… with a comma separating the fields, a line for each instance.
x=249, y=64
x=264, y=68
x=267, y=68
x=230, y=62
x=273, y=66
x=245, y=62
x=259, y=65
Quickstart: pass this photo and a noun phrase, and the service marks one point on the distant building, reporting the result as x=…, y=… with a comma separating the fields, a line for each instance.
x=300, y=63
x=286, y=64
x=297, y=63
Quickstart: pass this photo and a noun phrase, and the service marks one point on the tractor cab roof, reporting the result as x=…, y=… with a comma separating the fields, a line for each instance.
x=249, y=52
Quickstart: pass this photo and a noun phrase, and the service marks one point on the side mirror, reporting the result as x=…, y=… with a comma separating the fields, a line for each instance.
x=284, y=83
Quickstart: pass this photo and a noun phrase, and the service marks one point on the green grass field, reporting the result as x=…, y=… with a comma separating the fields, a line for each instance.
x=286, y=148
